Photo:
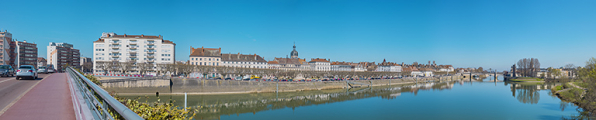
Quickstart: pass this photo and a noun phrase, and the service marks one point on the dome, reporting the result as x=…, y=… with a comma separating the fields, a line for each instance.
x=294, y=53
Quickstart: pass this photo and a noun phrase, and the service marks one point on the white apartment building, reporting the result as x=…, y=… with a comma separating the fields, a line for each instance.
x=318, y=64
x=132, y=48
x=244, y=61
x=387, y=68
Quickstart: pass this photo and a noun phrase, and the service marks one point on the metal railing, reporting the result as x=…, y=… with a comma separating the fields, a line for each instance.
x=99, y=101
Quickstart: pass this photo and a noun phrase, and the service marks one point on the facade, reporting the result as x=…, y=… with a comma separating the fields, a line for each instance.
x=111, y=47
x=6, y=49
x=243, y=61
x=86, y=64
x=318, y=64
x=273, y=64
x=341, y=66
x=389, y=68
x=290, y=64
x=41, y=62
x=61, y=55
x=26, y=52
x=205, y=56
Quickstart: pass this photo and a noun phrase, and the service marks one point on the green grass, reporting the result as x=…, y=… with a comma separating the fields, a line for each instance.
x=526, y=79
x=581, y=84
x=557, y=88
x=571, y=95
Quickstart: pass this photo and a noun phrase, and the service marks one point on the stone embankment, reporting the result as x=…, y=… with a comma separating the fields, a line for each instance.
x=200, y=86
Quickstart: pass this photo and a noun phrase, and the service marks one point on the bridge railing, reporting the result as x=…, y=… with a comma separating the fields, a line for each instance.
x=98, y=100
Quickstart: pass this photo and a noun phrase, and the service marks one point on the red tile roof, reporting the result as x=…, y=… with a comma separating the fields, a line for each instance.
x=318, y=60
x=205, y=52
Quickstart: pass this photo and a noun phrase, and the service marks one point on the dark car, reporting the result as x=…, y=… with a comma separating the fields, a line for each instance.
x=6, y=70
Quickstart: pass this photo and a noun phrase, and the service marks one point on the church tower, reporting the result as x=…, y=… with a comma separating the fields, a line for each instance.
x=294, y=53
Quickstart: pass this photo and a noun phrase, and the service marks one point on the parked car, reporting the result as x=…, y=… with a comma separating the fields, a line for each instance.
x=27, y=71
x=50, y=69
x=6, y=70
x=42, y=69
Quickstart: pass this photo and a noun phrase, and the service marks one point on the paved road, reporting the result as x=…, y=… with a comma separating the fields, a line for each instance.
x=11, y=89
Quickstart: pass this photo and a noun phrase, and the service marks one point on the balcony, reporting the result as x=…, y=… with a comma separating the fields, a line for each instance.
x=133, y=56
x=150, y=60
x=115, y=46
x=132, y=51
x=115, y=51
x=150, y=43
x=115, y=42
x=134, y=47
x=150, y=56
x=151, y=47
x=132, y=43
x=115, y=55
x=150, y=51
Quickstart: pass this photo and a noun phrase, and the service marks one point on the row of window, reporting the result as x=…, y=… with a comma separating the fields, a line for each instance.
x=100, y=50
x=216, y=59
x=204, y=63
x=165, y=54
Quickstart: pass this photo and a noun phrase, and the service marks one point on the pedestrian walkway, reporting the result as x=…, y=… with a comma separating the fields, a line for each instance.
x=48, y=100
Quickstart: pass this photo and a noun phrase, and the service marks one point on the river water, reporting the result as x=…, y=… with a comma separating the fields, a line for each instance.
x=464, y=99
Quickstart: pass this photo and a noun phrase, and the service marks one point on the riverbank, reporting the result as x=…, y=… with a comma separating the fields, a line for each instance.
x=210, y=87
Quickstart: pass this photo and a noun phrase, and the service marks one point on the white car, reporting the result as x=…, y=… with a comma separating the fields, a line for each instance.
x=26, y=71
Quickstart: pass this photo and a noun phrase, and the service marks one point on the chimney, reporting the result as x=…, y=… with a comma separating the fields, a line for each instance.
x=255, y=56
x=124, y=35
x=230, y=56
x=202, y=48
x=142, y=35
x=238, y=55
x=191, y=49
x=160, y=37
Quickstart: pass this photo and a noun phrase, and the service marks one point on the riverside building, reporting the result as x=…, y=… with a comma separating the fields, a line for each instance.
x=205, y=56
x=243, y=61
x=111, y=47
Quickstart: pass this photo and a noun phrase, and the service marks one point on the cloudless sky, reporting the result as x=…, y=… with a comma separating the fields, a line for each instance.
x=475, y=33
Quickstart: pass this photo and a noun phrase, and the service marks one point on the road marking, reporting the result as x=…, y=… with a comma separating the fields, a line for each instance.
x=8, y=80
x=19, y=98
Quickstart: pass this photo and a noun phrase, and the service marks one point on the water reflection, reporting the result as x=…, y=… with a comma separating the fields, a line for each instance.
x=217, y=106
x=214, y=106
x=528, y=93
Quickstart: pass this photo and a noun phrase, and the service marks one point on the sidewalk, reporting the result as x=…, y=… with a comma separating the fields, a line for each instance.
x=49, y=100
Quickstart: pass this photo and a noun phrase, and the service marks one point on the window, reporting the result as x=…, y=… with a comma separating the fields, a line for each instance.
x=201, y=58
x=217, y=59
x=209, y=59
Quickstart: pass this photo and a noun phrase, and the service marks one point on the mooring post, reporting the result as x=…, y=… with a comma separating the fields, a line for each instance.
x=185, y=100
x=277, y=87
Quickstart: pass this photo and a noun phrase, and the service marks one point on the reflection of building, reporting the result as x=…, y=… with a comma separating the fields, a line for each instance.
x=27, y=53
x=63, y=54
x=205, y=56
x=243, y=61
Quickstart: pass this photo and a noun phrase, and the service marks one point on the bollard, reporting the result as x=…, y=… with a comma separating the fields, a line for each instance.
x=185, y=100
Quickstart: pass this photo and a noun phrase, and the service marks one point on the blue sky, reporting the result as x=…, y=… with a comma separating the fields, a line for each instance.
x=490, y=34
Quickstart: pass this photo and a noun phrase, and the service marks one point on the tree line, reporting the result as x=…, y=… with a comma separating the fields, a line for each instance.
x=230, y=72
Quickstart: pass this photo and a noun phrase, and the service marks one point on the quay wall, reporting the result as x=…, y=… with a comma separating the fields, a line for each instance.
x=200, y=86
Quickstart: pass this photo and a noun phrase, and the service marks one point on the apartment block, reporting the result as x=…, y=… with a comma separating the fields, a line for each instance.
x=26, y=52
x=5, y=47
x=61, y=55
x=111, y=47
